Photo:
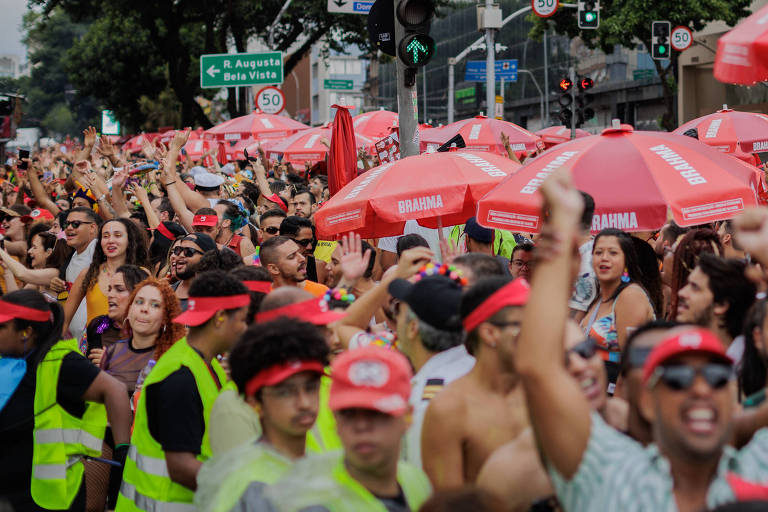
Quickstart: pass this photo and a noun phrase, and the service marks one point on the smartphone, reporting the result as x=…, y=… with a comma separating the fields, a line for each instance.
x=23, y=153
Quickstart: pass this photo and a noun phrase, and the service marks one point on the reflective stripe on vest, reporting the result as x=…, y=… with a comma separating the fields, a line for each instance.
x=148, y=464
x=70, y=436
x=151, y=505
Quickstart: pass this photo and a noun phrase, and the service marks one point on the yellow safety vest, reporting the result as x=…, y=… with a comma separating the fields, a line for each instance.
x=323, y=436
x=147, y=484
x=503, y=241
x=60, y=439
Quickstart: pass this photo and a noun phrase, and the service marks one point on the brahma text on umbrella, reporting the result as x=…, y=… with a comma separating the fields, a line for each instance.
x=419, y=204
x=484, y=165
x=619, y=220
x=370, y=176
x=690, y=174
x=533, y=185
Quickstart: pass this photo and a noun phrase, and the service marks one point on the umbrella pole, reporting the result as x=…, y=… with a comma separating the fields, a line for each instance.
x=440, y=229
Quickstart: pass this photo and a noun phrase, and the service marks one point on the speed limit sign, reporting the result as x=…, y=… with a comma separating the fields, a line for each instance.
x=270, y=100
x=545, y=8
x=682, y=38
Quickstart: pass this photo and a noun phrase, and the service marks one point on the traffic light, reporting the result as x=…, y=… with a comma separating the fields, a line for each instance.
x=565, y=100
x=583, y=101
x=589, y=13
x=660, y=39
x=416, y=48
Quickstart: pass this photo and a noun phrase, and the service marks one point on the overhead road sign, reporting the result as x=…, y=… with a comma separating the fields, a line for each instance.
x=505, y=69
x=349, y=6
x=338, y=85
x=241, y=69
x=109, y=123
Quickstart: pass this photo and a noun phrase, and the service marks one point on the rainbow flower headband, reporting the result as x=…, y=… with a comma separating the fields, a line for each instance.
x=450, y=271
x=339, y=294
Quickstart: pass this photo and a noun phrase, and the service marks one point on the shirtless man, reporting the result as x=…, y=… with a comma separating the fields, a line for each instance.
x=514, y=472
x=473, y=416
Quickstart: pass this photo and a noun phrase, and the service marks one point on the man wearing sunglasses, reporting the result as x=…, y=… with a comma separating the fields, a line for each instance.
x=269, y=223
x=687, y=396
x=185, y=258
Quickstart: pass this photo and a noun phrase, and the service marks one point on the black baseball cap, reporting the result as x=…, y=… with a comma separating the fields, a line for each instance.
x=202, y=240
x=477, y=232
x=434, y=299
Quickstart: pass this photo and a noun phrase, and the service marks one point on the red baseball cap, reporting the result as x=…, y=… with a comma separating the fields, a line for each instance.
x=205, y=220
x=694, y=340
x=314, y=311
x=37, y=214
x=371, y=377
x=201, y=309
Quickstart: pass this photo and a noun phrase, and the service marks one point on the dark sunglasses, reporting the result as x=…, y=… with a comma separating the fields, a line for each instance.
x=680, y=377
x=305, y=242
x=585, y=349
x=272, y=230
x=636, y=357
x=188, y=251
x=75, y=223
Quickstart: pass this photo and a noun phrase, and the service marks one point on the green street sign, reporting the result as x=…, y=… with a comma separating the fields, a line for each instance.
x=341, y=85
x=241, y=69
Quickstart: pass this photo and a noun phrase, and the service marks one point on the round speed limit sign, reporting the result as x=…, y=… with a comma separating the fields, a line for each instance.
x=682, y=38
x=270, y=100
x=545, y=8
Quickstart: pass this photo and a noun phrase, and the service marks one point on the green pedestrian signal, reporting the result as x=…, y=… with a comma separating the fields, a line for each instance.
x=417, y=49
x=588, y=14
x=660, y=31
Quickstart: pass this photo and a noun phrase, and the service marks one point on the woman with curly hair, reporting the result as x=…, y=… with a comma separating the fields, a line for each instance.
x=686, y=258
x=120, y=242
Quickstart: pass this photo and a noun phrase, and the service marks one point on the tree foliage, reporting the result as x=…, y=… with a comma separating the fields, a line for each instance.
x=628, y=22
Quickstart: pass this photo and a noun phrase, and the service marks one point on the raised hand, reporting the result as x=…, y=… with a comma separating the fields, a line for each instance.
x=411, y=260
x=450, y=250
x=353, y=262
x=119, y=178
x=751, y=231
x=89, y=137
x=141, y=194
x=147, y=148
x=179, y=139
x=106, y=148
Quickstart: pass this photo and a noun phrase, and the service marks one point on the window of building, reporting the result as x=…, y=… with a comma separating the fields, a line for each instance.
x=354, y=67
x=336, y=67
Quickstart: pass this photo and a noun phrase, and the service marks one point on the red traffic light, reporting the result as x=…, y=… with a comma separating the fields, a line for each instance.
x=586, y=83
x=565, y=84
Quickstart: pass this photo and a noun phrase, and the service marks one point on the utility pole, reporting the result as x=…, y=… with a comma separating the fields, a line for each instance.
x=490, y=65
x=572, y=75
x=545, y=121
x=407, y=103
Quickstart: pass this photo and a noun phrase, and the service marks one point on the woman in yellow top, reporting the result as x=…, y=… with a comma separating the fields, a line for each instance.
x=120, y=242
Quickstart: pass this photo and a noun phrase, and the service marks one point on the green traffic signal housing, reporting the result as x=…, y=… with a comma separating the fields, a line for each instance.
x=416, y=48
x=660, y=33
x=588, y=14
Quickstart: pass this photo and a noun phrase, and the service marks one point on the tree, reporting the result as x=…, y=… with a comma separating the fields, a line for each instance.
x=627, y=22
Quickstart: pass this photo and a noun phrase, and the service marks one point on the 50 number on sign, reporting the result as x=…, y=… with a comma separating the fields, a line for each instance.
x=270, y=100
x=544, y=8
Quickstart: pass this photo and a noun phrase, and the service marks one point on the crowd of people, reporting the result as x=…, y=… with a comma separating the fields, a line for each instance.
x=175, y=337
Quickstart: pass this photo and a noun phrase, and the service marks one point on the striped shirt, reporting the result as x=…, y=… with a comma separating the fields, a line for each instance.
x=618, y=473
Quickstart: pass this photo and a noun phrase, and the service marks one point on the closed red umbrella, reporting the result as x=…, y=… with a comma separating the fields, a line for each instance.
x=729, y=130
x=439, y=188
x=306, y=145
x=554, y=135
x=342, y=155
x=482, y=134
x=634, y=178
x=742, y=53
x=376, y=124
x=256, y=125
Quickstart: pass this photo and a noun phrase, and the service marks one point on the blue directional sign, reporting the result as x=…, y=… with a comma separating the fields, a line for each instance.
x=362, y=7
x=506, y=69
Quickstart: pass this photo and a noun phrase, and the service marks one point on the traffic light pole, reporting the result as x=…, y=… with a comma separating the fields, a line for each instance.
x=490, y=67
x=572, y=75
x=407, y=110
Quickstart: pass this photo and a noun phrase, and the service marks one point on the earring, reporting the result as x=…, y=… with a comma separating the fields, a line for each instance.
x=625, y=276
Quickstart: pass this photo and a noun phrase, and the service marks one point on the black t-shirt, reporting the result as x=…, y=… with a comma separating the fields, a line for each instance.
x=396, y=503
x=175, y=412
x=17, y=423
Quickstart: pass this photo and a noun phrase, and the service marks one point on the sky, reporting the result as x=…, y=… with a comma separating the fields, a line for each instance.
x=10, y=27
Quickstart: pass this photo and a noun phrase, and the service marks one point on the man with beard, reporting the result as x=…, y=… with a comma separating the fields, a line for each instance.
x=189, y=252
x=717, y=296
x=302, y=231
x=285, y=261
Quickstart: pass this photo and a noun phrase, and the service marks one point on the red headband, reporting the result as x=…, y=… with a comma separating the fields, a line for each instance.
x=279, y=372
x=166, y=232
x=9, y=311
x=512, y=294
x=258, y=286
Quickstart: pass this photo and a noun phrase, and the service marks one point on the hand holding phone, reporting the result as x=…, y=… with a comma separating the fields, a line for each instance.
x=24, y=159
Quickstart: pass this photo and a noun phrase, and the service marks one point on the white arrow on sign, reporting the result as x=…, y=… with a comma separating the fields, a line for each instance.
x=212, y=71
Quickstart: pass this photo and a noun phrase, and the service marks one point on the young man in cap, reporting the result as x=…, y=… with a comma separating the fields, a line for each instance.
x=481, y=411
x=206, y=220
x=686, y=396
x=717, y=296
x=170, y=438
x=277, y=366
x=429, y=333
x=369, y=397
x=284, y=260
x=188, y=254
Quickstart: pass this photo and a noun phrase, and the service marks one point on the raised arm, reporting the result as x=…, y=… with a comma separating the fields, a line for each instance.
x=76, y=295
x=143, y=197
x=553, y=397
x=193, y=200
x=172, y=187
x=41, y=276
x=89, y=139
x=42, y=198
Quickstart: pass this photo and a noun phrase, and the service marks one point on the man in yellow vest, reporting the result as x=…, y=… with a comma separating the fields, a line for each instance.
x=369, y=397
x=278, y=365
x=170, y=438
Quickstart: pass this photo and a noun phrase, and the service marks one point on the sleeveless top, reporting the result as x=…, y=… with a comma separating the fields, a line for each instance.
x=96, y=302
x=234, y=244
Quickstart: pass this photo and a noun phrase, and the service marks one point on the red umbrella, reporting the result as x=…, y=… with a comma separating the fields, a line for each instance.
x=134, y=143
x=195, y=148
x=439, y=188
x=555, y=135
x=741, y=53
x=376, y=125
x=256, y=125
x=342, y=155
x=729, y=130
x=634, y=177
x=482, y=134
x=305, y=146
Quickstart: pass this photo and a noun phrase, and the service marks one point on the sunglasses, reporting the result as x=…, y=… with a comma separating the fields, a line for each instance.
x=272, y=230
x=636, y=356
x=585, y=349
x=680, y=377
x=75, y=223
x=188, y=251
x=305, y=242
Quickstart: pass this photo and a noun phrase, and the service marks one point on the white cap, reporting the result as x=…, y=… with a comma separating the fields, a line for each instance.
x=229, y=169
x=208, y=180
